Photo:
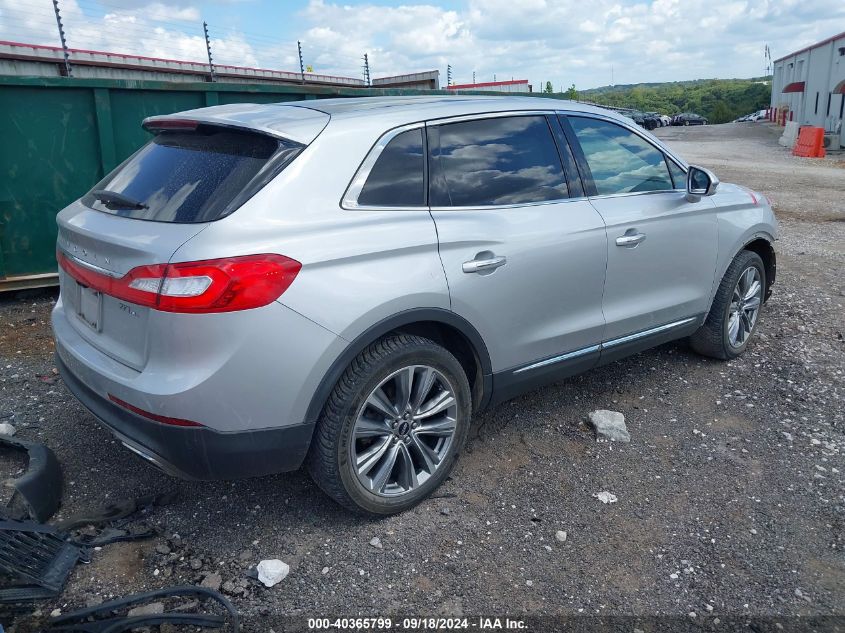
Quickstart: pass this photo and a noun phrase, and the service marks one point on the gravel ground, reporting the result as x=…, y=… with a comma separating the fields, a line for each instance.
x=730, y=494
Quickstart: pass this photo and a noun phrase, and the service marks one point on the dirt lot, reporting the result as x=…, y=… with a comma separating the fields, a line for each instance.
x=730, y=494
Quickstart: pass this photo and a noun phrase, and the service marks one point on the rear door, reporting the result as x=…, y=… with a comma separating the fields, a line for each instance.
x=661, y=248
x=524, y=252
x=142, y=212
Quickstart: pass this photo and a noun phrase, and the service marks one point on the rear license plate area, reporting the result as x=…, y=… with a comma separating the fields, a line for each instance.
x=90, y=308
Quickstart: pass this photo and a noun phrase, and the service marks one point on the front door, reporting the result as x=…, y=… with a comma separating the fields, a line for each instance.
x=524, y=261
x=661, y=248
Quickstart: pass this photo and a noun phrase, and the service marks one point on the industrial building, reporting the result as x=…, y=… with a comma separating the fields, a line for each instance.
x=808, y=86
x=514, y=85
x=429, y=80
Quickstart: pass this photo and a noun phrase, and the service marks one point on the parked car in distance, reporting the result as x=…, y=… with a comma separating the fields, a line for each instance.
x=646, y=120
x=689, y=118
x=652, y=120
x=344, y=283
x=758, y=115
x=665, y=120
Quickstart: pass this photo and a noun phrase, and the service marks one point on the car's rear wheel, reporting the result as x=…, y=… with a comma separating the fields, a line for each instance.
x=735, y=312
x=393, y=426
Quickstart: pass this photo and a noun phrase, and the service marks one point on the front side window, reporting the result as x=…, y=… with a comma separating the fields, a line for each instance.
x=679, y=176
x=496, y=161
x=620, y=161
x=397, y=178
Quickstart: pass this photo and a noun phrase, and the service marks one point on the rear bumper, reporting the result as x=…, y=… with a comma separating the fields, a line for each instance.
x=196, y=453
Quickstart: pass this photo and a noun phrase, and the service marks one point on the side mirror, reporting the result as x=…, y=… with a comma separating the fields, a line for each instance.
x=700, y=182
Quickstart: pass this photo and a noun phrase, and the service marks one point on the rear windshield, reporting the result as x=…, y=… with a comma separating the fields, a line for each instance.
x=191, y=176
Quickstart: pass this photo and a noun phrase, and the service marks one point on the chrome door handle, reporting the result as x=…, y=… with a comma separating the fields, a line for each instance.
x=630, y=239
x=484, y=265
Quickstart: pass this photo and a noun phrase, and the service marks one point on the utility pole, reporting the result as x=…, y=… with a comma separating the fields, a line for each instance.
x=448, y=74
x=473, y=77
x=367, y=69
x=208, y=48
x=68, y=69
x=301, y=65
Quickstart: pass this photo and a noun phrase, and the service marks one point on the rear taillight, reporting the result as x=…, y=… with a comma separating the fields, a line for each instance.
x=214, y=285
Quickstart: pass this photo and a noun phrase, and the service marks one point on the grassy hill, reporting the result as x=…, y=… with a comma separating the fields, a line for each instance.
x=720, y=100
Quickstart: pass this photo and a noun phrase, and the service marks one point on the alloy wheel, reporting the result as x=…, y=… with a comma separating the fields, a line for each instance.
x=745, y=306
x=403, y=431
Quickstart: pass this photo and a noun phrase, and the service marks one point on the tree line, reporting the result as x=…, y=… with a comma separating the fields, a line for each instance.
x=718, y=100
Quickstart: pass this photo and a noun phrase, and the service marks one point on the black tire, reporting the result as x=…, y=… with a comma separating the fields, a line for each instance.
x=712, y=338
x=329, y=456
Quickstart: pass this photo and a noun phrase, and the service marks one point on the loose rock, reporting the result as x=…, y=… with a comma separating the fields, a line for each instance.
x=212, y=581
x=606, y=497
x=152, y=608
x=609, y=425
x=7, y=429
x=272, y=572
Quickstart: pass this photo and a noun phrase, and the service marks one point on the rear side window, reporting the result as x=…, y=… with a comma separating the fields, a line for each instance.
x=189, y=177
x=496, y=161
x=397, y=179
x=619, y=160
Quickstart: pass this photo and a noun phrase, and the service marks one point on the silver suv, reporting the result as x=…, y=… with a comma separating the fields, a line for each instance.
x=344, y=283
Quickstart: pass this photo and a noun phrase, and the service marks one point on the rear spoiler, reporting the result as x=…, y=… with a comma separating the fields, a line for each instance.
x=288, y=122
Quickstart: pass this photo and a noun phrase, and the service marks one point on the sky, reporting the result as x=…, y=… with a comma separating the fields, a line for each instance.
x=587, y=43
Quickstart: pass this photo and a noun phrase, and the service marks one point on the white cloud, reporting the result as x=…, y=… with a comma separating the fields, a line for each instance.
x=563, y=41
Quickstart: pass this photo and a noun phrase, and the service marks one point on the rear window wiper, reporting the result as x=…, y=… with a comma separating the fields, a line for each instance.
x=117, y=200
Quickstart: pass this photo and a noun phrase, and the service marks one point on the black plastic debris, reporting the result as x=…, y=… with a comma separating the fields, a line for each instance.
x=113, y=512
x=35, y=560
x=102, y=618
x=109, y=535
x=38, y=492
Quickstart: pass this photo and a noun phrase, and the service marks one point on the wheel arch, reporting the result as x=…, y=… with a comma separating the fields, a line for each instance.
x=444, y=327
x=763, y=247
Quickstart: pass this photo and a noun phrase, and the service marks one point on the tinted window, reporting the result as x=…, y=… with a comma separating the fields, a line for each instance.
x=679, y=176
x=620, y=161
x=188, y=177
x=509, y=160
x=397, y=180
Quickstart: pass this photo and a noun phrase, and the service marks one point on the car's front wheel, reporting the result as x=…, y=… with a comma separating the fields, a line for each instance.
x=393, y=427
x=736, y=307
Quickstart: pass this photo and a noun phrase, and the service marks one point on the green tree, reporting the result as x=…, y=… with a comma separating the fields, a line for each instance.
x=719, y=100
x=721, y=113
x=571, y=93
x=548, y=89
